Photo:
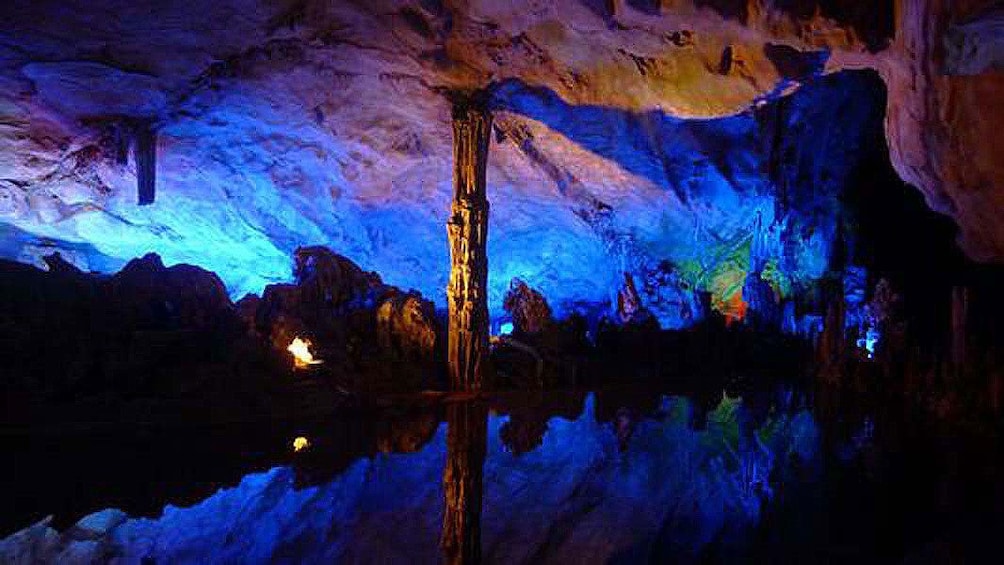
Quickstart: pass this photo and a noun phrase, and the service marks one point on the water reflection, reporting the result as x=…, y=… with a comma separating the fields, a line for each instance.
x=463, y=481
x=608, y=476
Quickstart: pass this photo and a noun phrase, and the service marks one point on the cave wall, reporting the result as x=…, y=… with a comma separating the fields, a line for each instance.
x=944, y=83
x=629, y=136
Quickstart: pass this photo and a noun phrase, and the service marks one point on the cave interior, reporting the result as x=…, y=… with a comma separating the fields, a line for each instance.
x=252, y=247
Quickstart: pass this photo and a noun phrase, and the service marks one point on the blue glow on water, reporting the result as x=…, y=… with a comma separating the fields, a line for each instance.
x=669, y=485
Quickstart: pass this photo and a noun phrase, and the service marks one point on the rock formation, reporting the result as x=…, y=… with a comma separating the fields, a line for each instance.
x=529, y=309
x=630, y=309
x=172, y=334
x=328, y=289
x=342, y=308
x=68, y=334
x=627, y=133
x=938, y=119
x=406, y=326
x=146, y=164
x=467, y=293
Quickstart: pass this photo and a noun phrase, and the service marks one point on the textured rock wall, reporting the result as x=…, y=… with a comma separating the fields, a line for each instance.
x=942, y=123
x=624, y=133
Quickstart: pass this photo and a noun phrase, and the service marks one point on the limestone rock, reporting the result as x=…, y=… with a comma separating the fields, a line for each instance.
x=630, y=309
x=328, y=280
x=66, y=332
x=938, y=123
x=528, y=308
x=407, y=326
x=328, y=290
x=149, y=295
x=345, y=311
x=282, y=124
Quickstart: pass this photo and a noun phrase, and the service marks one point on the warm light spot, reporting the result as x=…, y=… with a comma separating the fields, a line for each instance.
x=734, y=309
x=300, y=443
x=300, y=348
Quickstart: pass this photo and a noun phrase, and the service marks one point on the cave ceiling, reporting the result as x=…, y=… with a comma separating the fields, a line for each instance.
x=628, y=134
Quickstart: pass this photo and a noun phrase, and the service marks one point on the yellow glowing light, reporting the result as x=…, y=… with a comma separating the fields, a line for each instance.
x=302, y=357
x=300, y=443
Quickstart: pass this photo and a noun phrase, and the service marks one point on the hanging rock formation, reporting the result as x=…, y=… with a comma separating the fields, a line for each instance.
x=146, y=164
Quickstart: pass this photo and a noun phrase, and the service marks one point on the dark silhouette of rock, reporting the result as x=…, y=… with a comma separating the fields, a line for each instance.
x=406, y=326
x=373, y=336
x=148, y=295
x=67, y=334
x=328, y=289
x=332, y=296
x=528, y=308
x=328, y=280
x=172, y=335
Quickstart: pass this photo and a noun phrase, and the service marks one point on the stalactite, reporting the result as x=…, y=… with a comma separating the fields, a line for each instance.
x=468, y=233
x=146, y=163
x=463, y=482
x=120, y=142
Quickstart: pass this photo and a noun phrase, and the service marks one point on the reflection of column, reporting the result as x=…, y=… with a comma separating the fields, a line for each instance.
x=463, y=481
x=468, y=233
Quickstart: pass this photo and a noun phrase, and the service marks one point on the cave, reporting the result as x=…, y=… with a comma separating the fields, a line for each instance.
x=688, y=281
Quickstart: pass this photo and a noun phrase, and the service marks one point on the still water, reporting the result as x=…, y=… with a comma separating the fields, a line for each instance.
x=593, y=477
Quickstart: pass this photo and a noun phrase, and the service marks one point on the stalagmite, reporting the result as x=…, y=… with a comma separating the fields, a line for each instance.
x=146, y=163
x=463, y=482
x=468, y=233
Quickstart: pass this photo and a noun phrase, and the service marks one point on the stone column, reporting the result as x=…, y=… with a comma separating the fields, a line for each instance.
x=468, y=233
x=463, y=482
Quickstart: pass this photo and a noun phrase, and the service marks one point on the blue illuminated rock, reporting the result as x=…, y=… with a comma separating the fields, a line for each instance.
x=619, y=146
